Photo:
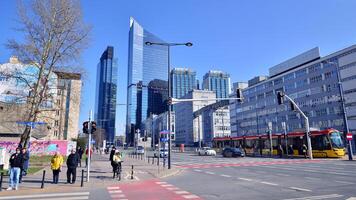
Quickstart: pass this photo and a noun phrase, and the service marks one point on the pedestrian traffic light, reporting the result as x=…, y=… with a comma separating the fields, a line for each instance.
x=239, y=94
x=86, y=127
x=93, y=127
x=280, y=97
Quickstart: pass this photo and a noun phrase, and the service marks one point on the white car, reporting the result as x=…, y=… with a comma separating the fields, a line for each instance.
x=162, y=153
x=140, y=150
x=206, y=151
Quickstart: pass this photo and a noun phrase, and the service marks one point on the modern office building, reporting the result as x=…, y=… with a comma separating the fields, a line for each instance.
x=217, y=81
x=189, y=130
x=183, y=80
x=145, y=64
x=157, y=96
x=106, y=89
x=312, y=81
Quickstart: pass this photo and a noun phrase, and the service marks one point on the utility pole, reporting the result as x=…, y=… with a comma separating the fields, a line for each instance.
x=270, y=137
x=284, y=126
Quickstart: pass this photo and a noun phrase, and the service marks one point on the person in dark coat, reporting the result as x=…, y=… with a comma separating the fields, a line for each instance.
x=16, y=163
x=112, y=153
x=80, y=153
x=72, y=164
x=25, y=156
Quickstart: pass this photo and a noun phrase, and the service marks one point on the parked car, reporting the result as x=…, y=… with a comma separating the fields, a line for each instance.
x=206, y=151
x=140, y=150
x=233, y=152
x=162, y=153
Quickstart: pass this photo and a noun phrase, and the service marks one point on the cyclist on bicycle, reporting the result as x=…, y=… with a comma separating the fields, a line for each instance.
x=116, y=164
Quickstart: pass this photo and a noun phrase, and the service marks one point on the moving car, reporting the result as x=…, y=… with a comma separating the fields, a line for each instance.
x=233, y=152
x=206, y=151
x=162, y=153
x=140, y=150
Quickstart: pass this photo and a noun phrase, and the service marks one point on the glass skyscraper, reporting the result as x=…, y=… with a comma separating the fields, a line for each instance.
x=145, y=64
x=106, y=88
x=217, y=81
x=183, y=80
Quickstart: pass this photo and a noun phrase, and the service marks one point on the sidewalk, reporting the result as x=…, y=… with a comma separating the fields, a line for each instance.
x=100, y=176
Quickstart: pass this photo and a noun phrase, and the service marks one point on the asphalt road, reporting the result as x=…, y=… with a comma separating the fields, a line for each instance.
x=264, y=178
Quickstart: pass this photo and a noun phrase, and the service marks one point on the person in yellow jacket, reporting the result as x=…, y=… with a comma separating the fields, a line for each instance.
x=56, y=164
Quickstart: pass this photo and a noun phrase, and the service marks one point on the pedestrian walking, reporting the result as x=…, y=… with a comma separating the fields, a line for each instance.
x=280, y=151
x=16, y=163
x=72, y=164
x=56, y=166
x=290, y=151
x=26, y=157
x=305, y=150
x=86, y=153
x=80, y=153
x=112, y=153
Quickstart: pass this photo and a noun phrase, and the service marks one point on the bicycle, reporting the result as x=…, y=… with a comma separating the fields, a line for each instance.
x=117, y=172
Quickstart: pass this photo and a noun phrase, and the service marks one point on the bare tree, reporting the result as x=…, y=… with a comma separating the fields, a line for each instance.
x=54, y=37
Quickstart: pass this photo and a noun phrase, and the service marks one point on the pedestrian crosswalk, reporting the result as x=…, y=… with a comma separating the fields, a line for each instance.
x=51, y=196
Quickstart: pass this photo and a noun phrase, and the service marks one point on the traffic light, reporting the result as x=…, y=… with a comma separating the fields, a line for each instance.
x=93, y=127
x=86, y=127
x=280, y=97
x=239, y=94
x=292, y=107
x=170, y=101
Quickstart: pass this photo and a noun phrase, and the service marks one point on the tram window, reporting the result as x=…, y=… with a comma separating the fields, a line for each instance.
x=321, y=142
x=267, y=144
x=275, y=143
x=249, y=143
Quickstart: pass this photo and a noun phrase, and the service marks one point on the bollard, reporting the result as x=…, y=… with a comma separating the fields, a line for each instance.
x=82, y=180
x=148, y=160
x=153, y=160
x=132, y=172
x=141, y=156
x=1, y=177
x=43, y=178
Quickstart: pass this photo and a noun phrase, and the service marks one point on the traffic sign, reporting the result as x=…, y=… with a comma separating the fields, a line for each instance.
x=164, y=139
x=349, y=136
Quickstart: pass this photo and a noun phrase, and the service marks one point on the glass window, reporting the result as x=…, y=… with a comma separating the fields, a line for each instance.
x=301, y=83
x=289, y=77
x=301, y=72
x=316, y=79
x=278, y=81
x=314, y=68
x=329, y=75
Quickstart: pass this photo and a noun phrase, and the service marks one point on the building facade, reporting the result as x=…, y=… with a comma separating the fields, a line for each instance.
x=189, y=130
x=145, y=64
x=106, y=89
x=157, y=96
x=183, y=80
x=312, y=81
x=217, y=81
x=216, y=123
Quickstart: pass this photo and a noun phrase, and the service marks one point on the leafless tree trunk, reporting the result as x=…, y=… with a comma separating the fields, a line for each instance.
x=55, y=36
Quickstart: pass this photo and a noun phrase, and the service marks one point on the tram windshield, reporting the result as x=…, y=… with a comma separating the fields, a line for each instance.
x=336, y=140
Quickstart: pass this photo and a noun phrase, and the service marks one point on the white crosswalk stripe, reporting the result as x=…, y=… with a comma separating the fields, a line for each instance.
x=54, y=196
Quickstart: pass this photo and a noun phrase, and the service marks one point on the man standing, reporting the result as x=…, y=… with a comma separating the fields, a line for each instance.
x=72, y=164
x=16, y=163
x=112, y=153
x=25, y=156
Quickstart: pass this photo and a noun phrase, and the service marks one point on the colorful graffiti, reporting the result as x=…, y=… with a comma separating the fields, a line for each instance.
x=42, y=147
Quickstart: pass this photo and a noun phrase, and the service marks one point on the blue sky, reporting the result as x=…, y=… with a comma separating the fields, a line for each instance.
x=243, y=38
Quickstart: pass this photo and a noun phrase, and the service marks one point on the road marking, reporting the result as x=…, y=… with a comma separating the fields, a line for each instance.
x=268, y=183
x=283, y=175
x=113, y=188
x=191, y=196
x=352, y=198
x=197, y=170
x=161, y=183
x=300, y=189
x=115, y=191
x=330, y=196
x=344, y=182
x=245, y=179
x=312, y=178
x=65, y=198
x=47, y=195
x=167, y=185
x=228, y=176
x=181, y=192
x=210, y=173
x=172, y=188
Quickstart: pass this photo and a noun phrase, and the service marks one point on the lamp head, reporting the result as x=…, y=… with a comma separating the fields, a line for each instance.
x=188, y=44
x=148, y=43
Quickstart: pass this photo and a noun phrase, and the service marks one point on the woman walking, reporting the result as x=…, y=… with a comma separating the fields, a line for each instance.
x=116, y=163
x=56, y=164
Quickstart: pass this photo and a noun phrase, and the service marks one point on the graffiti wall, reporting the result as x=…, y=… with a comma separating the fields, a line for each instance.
x=42, y=147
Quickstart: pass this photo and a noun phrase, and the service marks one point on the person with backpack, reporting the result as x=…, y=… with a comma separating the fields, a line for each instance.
x=26, y=157
x=116, y=164
x=16, y=164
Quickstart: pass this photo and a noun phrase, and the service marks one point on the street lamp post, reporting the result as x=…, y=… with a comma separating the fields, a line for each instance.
x=168, y=45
